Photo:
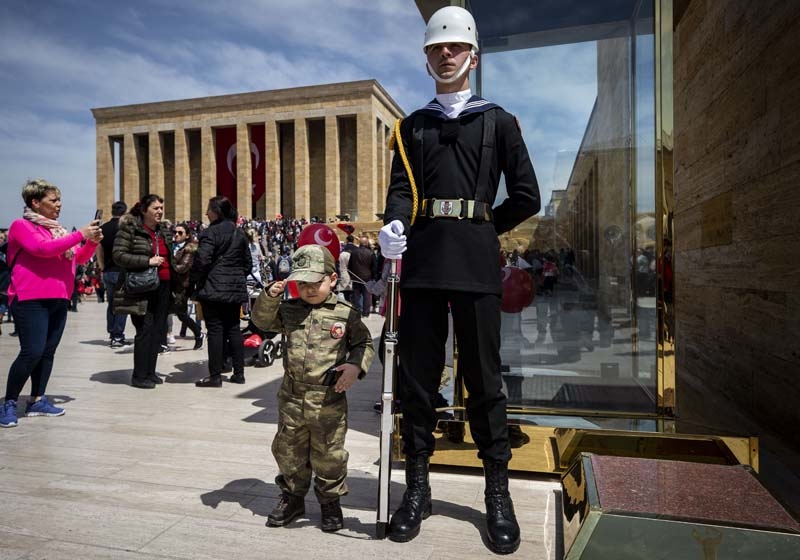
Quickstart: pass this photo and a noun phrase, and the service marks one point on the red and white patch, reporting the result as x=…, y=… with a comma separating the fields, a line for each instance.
x=337, y=330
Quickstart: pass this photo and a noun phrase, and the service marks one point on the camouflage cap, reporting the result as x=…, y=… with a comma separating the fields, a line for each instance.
x=311, y=263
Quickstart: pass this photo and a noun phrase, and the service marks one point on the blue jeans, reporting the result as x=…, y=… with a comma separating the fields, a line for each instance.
x=362, y=299
x=115, y=323
x=40, y=324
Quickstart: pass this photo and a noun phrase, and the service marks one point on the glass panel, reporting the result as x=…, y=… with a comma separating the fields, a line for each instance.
x=585, y=102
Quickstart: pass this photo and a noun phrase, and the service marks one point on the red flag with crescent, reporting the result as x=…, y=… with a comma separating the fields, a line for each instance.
x=320, y=234
x=227, y=155
x=347, y=228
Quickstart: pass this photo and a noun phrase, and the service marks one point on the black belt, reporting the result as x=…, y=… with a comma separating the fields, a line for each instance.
x=457, y=208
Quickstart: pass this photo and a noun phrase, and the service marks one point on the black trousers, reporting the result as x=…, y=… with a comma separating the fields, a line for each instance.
x=222, y=324
x=188, y=323
x=422, y=335
x=151, y=328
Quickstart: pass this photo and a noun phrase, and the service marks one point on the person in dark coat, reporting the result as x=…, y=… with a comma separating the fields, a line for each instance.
x=115, y=323
x=219, y=273
x=141, y=242
x=361, y=267
x=182, y=261
x=458, y=146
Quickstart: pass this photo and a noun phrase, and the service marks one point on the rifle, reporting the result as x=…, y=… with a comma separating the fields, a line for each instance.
x=387, y=399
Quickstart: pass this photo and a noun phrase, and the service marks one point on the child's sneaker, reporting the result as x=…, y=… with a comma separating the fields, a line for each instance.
x=332, y=519
x=8, y=414
x=42, y=407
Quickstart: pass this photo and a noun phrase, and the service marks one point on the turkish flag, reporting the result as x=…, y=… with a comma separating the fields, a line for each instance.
x=225, y=143
x=226, y=155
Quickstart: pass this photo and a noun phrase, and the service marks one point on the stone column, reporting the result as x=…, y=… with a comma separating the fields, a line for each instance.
x=105, y=173
x=365, y=165
x=182, y=199
x=272, y=167
x=129, y=183
x=380, y=162
x=302, y=204
x=332, y=179
x=244, y=171
x=156, y=159
x=209, y=167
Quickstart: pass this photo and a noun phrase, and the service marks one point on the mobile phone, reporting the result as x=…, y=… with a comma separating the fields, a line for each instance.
x=98, y=215
x=330, y=376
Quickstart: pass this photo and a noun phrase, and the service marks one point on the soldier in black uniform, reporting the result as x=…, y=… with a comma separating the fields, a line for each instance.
x=439, y=217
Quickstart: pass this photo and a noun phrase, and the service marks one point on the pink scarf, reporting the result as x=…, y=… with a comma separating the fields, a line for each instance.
x=56, y=229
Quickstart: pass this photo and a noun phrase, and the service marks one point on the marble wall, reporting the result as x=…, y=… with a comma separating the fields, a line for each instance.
x=737, y=202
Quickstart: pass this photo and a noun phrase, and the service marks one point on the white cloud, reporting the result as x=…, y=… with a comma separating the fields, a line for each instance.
x=62, y=58
x=58, y=150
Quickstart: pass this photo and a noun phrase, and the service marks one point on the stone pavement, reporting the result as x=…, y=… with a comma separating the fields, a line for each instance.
x=183, y=472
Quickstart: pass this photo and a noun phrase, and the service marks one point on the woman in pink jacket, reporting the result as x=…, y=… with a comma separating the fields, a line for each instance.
x=43, y=257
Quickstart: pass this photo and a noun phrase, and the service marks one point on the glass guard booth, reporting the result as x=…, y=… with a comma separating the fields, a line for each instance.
x=587, y=329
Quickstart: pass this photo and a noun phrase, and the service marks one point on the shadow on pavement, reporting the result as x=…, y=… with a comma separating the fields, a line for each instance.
x=96, y=342
x=260, y=497
x=114, y=377
x=187, y=372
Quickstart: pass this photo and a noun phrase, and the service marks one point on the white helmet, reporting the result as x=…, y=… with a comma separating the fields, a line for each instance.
x=451, y=24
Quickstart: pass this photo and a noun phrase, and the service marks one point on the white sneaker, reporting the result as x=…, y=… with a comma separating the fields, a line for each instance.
x=170, y=339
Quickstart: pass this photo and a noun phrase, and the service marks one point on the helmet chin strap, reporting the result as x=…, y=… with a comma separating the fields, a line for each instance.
x=454, y=77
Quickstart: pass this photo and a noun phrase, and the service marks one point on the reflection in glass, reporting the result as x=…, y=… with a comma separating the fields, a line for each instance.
x=579, y=305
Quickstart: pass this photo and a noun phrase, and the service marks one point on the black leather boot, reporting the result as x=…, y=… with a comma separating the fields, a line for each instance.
x=288, y=509
x=501, y=524
x=416, y=504
x=332, y=518
x=210, y=381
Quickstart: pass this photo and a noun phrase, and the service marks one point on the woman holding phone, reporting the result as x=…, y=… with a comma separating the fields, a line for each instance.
x=43, y=257
x=142, y=242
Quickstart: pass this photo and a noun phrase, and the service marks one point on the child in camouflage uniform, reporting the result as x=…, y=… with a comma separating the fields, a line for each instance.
x=322, y=333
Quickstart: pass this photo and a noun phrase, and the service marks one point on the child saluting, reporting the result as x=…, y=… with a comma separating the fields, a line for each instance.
x=327, y=348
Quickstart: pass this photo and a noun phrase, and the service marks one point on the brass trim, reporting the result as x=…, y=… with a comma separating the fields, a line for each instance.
x=570, y=442
x=665, y=312
x=551, y=450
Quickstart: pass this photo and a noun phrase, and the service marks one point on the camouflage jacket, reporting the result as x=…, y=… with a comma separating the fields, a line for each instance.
x=317, y=336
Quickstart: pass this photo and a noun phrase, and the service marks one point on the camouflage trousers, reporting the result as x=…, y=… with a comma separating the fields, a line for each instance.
x=312, y=424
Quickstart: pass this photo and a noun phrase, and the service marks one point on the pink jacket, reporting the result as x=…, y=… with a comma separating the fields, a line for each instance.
x=41, y=271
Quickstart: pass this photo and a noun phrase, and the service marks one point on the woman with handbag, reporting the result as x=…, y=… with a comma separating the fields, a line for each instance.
x=143, y=250
x=220, y=266
x=43, y=258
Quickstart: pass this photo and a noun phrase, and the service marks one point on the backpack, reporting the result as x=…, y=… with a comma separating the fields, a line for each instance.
x=284, y=267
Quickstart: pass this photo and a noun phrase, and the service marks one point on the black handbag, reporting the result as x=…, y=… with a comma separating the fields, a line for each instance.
x=143, y=281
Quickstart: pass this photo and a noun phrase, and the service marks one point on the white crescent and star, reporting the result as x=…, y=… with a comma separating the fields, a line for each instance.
x=318, y=240
x=232, y=155
x=506, y=273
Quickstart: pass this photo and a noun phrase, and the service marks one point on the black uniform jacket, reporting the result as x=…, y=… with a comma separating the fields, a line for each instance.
x=446, y=253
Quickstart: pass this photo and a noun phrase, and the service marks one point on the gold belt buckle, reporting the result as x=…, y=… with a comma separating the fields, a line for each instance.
x=447, y=208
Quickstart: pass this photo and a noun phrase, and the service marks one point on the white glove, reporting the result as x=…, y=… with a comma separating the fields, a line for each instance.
x=392, y=240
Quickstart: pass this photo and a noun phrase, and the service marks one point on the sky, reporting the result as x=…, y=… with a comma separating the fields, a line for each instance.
x=61, y=58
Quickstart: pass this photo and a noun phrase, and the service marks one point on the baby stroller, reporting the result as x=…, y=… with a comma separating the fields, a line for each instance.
x=267, y=348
